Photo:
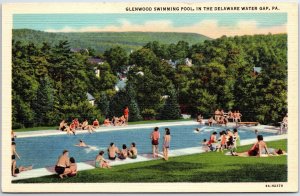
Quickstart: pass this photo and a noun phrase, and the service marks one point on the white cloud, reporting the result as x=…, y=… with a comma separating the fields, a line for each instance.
x=210, y=28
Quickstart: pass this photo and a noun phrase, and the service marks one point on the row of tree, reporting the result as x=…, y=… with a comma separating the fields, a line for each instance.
x=51, y=82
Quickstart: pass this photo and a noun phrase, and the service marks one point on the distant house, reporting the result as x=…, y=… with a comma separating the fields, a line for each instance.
x=96, y=61
x=121, y=84
x=256, y=71
x=77, y=50
x=188, y=62
x=90, y=98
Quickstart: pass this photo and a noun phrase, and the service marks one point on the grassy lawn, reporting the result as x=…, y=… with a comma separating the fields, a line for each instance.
x=205, y=167
x=130, y=123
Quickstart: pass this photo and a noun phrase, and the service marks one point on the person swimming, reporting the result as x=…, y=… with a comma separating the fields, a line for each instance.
x=81, y=144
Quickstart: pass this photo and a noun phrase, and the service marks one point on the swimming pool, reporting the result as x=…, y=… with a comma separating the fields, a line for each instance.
x=43, y=151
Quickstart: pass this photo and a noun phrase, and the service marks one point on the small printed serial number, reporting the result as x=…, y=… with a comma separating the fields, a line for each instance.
x=274, y=185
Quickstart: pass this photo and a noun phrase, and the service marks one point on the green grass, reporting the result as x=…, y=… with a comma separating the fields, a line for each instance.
x=205, y=167
x=130, y=123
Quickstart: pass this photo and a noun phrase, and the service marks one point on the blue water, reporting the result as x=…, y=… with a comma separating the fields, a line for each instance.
x=43, y=151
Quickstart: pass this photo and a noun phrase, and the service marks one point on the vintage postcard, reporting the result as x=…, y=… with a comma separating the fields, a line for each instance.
x=149, y=97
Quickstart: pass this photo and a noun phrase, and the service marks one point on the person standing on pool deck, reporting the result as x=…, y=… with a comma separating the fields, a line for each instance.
x=166, y=144
x=155, y=135
x=63, y=164
x=126, y=114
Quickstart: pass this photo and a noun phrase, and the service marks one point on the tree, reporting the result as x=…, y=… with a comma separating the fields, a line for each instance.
x=133, y=105
x=117, y=58
x=44, y=102
x=103, y=103
x=171, y=109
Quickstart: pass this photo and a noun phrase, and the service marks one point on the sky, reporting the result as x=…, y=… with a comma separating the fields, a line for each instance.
x=211, y=25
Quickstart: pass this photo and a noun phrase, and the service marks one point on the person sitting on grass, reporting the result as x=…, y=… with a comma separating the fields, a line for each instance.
x=96, y=124
x=205, y=146
x=132, y=152
x=107, y=122
x=86, y=126
x=16, y=170
x=112, y=151
x=100, y=162
x=73, y=168
x=63, y=164
x=259, y=149
x=123, y=153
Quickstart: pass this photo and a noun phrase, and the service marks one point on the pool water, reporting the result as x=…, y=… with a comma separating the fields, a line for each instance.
x=43, y=151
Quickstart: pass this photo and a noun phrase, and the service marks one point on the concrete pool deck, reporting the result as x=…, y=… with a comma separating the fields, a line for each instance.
x=263, y=128
x=141, y=158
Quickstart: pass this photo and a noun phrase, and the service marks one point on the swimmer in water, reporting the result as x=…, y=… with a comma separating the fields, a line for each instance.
x=81, y=144
x=256, y=132
x=197, y=130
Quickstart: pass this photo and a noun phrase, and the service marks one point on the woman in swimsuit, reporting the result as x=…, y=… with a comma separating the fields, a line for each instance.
x=212, y=142
x=100, y=162
x=258, y=149
x=96, y=124
x=123, y=153
x=166, y=144
x=73, y=168
x=132, y=152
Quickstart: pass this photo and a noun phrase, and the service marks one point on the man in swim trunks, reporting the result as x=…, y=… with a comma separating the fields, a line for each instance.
x=112, y=151
x=155, y=135
x=62, y=165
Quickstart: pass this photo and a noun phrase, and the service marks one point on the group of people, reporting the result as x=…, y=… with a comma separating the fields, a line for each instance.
x=14, y=168
x=260, y=149
x=221, y=118
x=226, y=140
x=155, y=136
x=75, y=125
x=118, y=121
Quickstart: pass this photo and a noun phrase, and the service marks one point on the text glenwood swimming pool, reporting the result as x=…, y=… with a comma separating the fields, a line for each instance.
x=190, y=8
